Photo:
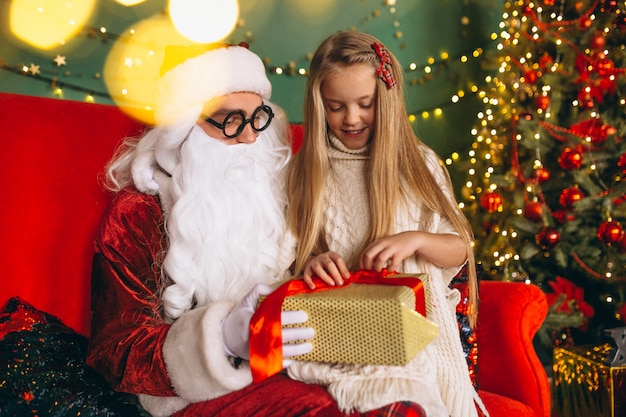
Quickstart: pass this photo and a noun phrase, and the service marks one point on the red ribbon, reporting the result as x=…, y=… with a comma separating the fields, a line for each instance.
x=266, y=345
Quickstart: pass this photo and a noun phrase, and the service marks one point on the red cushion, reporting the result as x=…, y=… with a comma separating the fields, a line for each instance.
x=499, y=406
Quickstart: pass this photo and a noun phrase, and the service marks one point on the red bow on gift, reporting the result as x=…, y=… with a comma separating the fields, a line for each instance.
x=266, y=355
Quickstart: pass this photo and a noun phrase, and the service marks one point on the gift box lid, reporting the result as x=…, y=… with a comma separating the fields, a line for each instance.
x=598, y=354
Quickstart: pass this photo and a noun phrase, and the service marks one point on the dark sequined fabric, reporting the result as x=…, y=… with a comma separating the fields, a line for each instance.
x=469, y=341
x=43, y=370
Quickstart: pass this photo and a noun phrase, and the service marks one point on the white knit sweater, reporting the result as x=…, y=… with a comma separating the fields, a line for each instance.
x=437, y=378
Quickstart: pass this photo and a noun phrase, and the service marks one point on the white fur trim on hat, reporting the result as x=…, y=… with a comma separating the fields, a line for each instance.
x=184, y=90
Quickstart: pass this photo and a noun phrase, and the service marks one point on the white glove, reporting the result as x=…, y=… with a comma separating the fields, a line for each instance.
x=236, y=325
x=236, y=328
x=291, y=334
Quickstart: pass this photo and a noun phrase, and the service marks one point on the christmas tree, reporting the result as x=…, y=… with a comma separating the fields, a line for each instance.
x=545, y=182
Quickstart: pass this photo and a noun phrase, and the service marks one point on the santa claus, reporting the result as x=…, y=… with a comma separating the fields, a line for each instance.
x=191, y=241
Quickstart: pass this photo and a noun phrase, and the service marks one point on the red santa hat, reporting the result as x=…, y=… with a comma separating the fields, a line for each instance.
x=191, y=76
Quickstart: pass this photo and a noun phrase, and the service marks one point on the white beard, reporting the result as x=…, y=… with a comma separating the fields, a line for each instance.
x=224, y=210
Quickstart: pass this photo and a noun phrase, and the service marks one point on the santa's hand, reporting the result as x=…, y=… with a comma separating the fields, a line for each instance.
x=236, y=326
x=292, y=334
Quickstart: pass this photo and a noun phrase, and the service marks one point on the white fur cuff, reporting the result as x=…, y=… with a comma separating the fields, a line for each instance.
x=162, y=406
x=194, y=355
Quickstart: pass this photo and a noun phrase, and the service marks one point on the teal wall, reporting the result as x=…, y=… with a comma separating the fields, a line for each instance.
x=281, y=33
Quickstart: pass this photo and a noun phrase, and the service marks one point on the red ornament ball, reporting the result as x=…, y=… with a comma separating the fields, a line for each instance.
x=531, y=76
x=548, y=237
x=571, y=158
x=542, y=102
x=569, y=196
x=541, y=175
x=610, y=232
x=533, y=211
x=491, y=201
x=584, y=23
x=597, y=42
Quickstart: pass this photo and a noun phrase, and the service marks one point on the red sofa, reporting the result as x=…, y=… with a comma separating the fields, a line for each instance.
x=53, y=151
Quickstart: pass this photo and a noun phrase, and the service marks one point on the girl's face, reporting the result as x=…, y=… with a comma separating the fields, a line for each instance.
x=349, y=96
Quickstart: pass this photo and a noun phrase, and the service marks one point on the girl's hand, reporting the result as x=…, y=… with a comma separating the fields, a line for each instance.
x=329, y=267
x=389, y=252
x=442, y=249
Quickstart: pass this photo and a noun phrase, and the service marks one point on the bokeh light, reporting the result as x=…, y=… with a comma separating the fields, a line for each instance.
x=204, y=21
x=45, y=24
x=132, y=67
x=129, y=2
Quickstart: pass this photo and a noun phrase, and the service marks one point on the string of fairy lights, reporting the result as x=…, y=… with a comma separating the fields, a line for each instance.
x=57, y=74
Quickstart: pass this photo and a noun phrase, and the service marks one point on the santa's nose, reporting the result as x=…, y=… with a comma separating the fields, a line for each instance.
x=248, y=135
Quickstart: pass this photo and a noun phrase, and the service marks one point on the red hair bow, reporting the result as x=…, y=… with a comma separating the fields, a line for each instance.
x=384, y=71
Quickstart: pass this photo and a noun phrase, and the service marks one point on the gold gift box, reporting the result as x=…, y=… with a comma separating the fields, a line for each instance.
x=364, y=324
x=583, y=385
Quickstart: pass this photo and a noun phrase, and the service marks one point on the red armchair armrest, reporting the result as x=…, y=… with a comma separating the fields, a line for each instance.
x=509, y=316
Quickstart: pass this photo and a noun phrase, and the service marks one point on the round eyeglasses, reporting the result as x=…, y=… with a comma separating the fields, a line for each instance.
x=235, y=122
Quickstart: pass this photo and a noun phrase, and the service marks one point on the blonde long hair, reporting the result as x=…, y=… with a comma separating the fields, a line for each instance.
x=396, y=158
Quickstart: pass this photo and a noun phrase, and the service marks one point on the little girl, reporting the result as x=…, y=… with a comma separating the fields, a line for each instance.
x=365, y=193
